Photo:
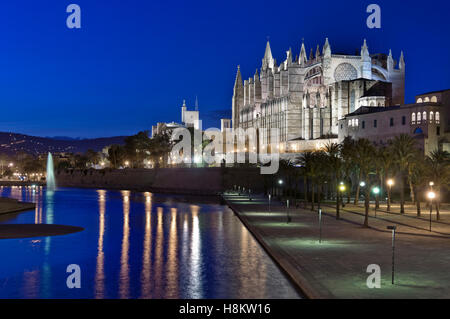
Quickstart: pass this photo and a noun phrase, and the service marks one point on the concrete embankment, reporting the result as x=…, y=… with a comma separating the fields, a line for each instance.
x=8, y=205
x=193, y=181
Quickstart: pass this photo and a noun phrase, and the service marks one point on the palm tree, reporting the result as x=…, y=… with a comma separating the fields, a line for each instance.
x=438, y=163
x=418, y=179
x=404, y=150
x=332, y=153
x=307, y=160
x=385, y=167
x=365, y=156
x=348, y=164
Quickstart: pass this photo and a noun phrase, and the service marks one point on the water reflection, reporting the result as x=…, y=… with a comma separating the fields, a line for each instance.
x=146, y=254
x=100, y=267
x=136, y=245
x=124, y=280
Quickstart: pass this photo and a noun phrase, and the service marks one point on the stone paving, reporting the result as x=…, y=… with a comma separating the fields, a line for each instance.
x=337, y=267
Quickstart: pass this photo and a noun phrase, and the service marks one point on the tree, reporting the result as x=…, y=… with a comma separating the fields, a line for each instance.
x=348, y=165
x=137, y=148
x=365, y=156
x=332, y=155
x=160, y=146
x=404, y=150
x=116, y=155
x=307, y=159
x=438, y=164
x=93, y=157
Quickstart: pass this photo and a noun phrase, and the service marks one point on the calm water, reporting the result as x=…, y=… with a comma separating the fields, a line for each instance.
x=135, y=245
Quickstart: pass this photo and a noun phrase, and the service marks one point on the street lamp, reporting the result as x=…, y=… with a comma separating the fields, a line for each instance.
x=390, y=182
x=376, y=191
x=342, y=189
x=362, y=184
x=431, y=195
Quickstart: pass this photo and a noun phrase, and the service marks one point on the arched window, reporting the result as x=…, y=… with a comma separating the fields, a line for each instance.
x=427, y=99
x=434, y=99
x=349, y=123
x=419, y=100
x=413, y=118
x=437, y=118
x=356, y=123
x=418, y=131
x=418, y=118
x=431, y=116
x=424, y=116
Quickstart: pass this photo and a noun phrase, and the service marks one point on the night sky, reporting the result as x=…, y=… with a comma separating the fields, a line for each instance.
x=133, y=62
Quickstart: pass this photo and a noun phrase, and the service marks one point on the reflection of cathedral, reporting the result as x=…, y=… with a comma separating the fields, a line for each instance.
x=304, y=97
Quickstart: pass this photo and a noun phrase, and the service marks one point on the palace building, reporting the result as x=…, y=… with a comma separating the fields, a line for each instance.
x=304, y=97
x=427, y=121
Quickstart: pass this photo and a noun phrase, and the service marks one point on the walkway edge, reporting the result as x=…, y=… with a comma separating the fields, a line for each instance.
x=287, y=267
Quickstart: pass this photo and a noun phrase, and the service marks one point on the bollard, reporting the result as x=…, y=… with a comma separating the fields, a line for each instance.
x=320, y=225
x=393, y=228
x=287, y=212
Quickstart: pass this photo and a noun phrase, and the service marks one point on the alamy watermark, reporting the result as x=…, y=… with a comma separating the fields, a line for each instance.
x=230, y=146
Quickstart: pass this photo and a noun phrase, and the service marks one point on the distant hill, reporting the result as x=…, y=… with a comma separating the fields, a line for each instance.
x=11, y=143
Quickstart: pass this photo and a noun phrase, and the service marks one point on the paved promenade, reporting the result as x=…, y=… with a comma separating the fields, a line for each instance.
x=336, y=267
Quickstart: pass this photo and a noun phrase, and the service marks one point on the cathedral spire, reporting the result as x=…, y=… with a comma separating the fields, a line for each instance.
x=326, y=51
x=401, y=64
x=268, y=53
x=317, y=52
x=256, y=76
x=196, y=103
x=390, y=61
x=311, y=56
x=238, y=81
x=267, y=61
x=289, y=56
x=364, y=49
x=303, y=58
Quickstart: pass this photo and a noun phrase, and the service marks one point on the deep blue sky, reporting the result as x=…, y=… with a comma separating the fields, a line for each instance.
x=133, y=62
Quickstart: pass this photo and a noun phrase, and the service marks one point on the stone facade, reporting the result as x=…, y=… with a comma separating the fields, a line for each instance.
x=428, y=121
x=304, y=98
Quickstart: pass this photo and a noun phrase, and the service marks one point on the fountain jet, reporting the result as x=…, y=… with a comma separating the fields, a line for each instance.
x=51, y=183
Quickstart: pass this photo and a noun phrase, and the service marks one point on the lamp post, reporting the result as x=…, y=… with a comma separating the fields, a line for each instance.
x=280, y=182
x=376, y=191
x=269, y=202
x=342, y=189
x=431, y=195
x=393, y=228
x=390, y=182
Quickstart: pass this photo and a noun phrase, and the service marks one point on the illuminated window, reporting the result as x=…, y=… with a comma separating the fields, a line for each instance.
x=418, y=118
x=419, y=100
x=413, y=118
x=437, y=117
x=424, y=116
x=427, y=99
x=356, y=123
x=434, y=99
x=431, y=117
